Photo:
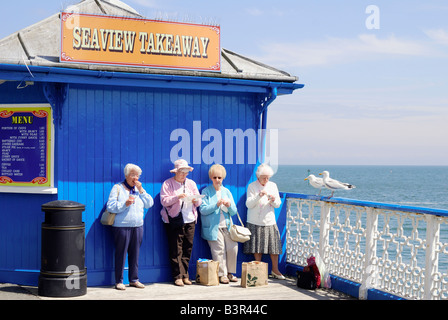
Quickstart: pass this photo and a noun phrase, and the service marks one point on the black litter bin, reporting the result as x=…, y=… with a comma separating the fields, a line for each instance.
x=63, y=272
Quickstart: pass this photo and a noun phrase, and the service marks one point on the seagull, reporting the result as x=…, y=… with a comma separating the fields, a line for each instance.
x=335, y=184
x=316, y=182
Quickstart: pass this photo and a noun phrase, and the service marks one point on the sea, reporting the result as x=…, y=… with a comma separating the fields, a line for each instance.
x=416, y=186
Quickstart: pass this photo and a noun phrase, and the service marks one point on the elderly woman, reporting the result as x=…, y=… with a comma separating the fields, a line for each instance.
x=180, y=198
x=128, y=200
x=262, y=199
x=216, y=210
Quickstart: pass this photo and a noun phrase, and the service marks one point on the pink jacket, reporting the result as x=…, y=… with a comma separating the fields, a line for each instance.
x=169, y=200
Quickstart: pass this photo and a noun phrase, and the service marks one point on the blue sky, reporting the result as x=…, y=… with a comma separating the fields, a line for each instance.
x=371, y=96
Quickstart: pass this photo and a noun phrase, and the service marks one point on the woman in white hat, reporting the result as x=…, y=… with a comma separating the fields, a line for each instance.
x=180, y=199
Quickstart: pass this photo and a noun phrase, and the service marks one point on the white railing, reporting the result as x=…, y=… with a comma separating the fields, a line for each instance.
x=395, y=249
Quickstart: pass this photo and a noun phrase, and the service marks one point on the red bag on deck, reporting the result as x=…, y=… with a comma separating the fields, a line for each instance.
x=313, y=267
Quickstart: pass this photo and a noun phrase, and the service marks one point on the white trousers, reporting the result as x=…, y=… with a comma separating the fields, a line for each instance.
x=225, y=251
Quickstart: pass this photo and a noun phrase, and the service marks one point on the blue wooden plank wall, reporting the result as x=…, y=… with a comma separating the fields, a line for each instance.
x=20, y=214
x=103, y=129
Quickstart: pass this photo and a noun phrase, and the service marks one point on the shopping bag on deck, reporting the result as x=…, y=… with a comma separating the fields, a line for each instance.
x=254, y=274
x=312, y=267
x=207, y=272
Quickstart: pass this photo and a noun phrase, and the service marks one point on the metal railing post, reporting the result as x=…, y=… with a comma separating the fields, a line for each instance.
x=324, y=234
x=432, y=257
x=370, y=276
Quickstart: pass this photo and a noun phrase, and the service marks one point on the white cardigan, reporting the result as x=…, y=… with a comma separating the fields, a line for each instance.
x=261, y=211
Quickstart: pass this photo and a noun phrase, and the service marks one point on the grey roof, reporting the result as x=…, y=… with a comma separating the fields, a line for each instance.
x=38, y=45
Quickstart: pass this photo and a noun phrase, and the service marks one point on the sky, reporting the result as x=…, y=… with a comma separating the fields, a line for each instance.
x=375, y=72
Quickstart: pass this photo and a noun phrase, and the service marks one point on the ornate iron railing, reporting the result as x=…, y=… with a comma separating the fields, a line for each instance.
x=396, y=249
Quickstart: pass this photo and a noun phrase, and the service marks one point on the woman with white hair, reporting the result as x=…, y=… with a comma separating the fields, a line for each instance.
x=262, y=199
x=216, y=210
x=128, y=200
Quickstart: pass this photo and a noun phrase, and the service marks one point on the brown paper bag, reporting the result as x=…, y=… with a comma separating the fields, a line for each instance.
x=254, y=274
x=207, y=273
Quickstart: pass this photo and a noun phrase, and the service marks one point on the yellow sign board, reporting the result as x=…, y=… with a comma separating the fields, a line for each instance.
x=139, y=43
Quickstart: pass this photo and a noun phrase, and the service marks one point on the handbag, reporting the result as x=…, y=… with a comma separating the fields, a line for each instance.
x=108, y=218
x=306, y=280
x=177, y=221
x=239, y=233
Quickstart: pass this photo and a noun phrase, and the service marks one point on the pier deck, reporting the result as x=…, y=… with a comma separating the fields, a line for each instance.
x=275, y=290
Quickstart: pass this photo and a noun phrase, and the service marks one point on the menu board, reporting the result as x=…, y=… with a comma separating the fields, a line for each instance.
x=25, y=136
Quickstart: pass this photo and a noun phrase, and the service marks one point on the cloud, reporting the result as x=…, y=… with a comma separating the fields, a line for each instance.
x=342, y=50
x=254, y=12
x=371, y=141
x=267, y=12
x=370, y=126
x=440, y=36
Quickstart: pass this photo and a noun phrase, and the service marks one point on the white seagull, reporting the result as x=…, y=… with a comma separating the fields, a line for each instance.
x=316, y=182
x=335, y=184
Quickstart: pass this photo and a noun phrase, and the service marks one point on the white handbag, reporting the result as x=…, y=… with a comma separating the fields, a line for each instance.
x=239, y=233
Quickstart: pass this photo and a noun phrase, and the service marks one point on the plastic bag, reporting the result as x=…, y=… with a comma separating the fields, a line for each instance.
x=324, y=274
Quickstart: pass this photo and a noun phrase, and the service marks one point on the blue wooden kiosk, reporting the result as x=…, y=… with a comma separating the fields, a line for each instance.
x=104, y=116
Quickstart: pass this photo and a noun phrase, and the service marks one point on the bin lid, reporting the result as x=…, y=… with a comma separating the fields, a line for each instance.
x=63, y=205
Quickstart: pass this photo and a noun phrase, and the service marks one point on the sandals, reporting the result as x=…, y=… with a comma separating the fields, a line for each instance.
x=229, y=278
x=232, y=278
x=224, y=280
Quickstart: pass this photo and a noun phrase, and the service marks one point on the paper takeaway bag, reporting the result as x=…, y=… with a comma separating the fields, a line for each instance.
x=207, y=272
x=254, y=274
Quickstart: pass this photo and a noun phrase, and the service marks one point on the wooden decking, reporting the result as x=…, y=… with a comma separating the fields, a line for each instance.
x=275, y=290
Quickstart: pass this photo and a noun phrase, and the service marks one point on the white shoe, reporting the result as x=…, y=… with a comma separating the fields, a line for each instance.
x=277, y=276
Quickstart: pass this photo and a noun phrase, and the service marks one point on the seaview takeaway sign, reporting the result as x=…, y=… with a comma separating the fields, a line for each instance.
x=135, y=42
